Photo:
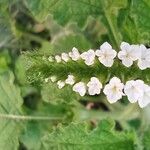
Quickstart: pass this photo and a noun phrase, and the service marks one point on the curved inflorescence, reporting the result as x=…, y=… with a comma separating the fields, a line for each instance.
x=106, y=55
x=135, y=90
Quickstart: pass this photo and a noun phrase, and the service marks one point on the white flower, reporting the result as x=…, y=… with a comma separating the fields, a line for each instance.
x=144, y=60
x=80, y=88
x=46, y=80
x=113, y=90
x=65, y=57
x=58, y=58
x=134, y=90
x=60, y=84
x=50, y=59
x=94, y=86
x=70, y=80
x=145, y=99
x=106, y=54
x=75, y=55
x=89, y=57
x=128, y=53
x=53, y=78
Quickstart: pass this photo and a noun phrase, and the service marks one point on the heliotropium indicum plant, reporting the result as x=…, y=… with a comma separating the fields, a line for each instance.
x=115, y=74
x=74, y=74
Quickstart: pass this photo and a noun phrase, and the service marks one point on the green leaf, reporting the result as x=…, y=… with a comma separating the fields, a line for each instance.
x=124, y=20
x=10, y=103
x=140, y=13
x=65, y=10
x=79, y=11
x=79, y=136
x=146, y=139
x=51, y=93
x=65, y=44
x=35, y=130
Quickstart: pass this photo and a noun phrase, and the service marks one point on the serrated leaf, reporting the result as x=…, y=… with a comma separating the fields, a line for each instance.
x=79, y=11
x=10, y=103
x=78, y=136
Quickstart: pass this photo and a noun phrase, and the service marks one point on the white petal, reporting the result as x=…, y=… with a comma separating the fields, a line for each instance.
x=60, y=84
x=70, y=80
x=98, y=52
x=75, y=55
x=113, y=90
x=142, y=64
x=89, y=57
x=135, y=52
x=112, y=53
x=80, y=88
x=46, y=80
x=58, y=58
x=89, y=63
x=106, y=45
x=53, y=78
x=65, y=57
x=115, y=80
x=124, y=46
x=114, y=98
x=106, y=62
x=84, y=55
x=127, y=62
x=134, y=90
x=145, y=100
x=122, y=54
x=94, y=86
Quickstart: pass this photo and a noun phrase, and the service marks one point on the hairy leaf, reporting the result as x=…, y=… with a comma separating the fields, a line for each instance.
x=79, y=136
x=10, y=103
x=79, y=11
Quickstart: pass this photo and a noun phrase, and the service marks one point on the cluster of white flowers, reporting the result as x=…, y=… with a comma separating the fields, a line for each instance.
x=130, y=53
x=106, y=55
x=135, y=90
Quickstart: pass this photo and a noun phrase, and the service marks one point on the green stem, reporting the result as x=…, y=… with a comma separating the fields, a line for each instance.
x=27, y=118
x=128, y=113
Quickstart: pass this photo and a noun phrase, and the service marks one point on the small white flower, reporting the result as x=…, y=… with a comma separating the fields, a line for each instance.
x=58, y=58
x=89, y=57
x=75, y=55
x=134, y=90
x=106, y=54
x=46, y=80
x=144, y=60
x=70, y=80
x=65, y=57
x=113, y=90
x=128, y=53
x=50, y=59
x=53, y=78
x=80, y=88
x=145, y=99
x=60, y=84
x=94, y=86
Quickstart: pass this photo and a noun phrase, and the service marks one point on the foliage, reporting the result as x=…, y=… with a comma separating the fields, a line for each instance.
x=35, y=115
x=79, y=136
x=10, y=103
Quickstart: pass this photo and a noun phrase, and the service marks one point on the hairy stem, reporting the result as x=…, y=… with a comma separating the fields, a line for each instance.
x=27, y=118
